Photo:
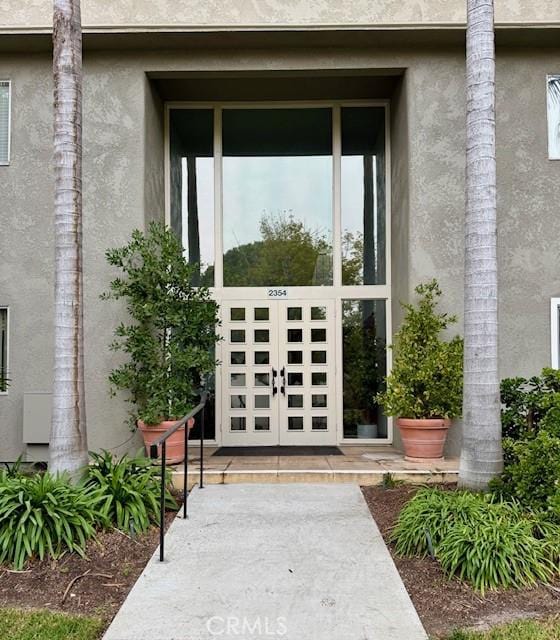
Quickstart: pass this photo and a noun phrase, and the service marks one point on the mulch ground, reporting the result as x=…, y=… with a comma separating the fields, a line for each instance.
x=95, y=586
x=442, y=604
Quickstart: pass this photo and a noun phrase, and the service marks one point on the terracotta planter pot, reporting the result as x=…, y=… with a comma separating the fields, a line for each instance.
x=423, y=439
x=175, y=447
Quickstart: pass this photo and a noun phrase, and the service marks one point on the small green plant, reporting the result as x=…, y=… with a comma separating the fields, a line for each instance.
x=129, y=489
x=389, y=481
x=426, y=380
x=487, y=542
x=170, y=344
x=42, y=515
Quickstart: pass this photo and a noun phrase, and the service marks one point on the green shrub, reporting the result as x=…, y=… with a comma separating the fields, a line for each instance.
x=532, y=473
x=129, y=489
x=426, y=380
x=531, y=404
x=41, y=515
x=487, y=542
x=170, y=344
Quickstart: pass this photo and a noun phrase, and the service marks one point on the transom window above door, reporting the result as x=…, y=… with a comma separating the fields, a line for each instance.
x=280, y=196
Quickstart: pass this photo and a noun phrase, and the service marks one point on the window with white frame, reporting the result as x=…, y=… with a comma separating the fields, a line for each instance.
x=5, y=107
x=4, y=379
x=555, y=332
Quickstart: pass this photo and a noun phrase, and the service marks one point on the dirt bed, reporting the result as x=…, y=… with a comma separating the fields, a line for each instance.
x=443, y=604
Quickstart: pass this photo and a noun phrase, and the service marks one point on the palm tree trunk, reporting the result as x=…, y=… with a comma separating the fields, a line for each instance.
x=68, y=442
x=481, y=455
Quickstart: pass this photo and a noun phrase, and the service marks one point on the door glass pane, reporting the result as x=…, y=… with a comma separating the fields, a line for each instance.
x=262, y=423
x=319, y=357
x=319, y=378
x=318, y=335
x=295, y=423
x=191, y=169
x=262, y=402
x=295, y=357
x=364, y=367
x=237, y=335
x=295, y=335
x=261, y=357
x=294, y=313
x=237, y=357
x=237, y=379
x=319, y=400
x=277, y=197
x=261, y=313
x=238, y=402
x=295, y=401
x=319, y=423
x=295, y=379
x=262, y=379
x=261, y=335
x=363, y=195
x=238, y=423
x=318, y=313
x=237, y=313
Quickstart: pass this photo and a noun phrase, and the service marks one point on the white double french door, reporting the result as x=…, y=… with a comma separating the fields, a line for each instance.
x=278, y=385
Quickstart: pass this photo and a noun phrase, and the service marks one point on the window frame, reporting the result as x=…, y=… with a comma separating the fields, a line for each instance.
x=7, y=82
x=555, y=333
x=337, y=291
x=549, y=78
x=7, y=310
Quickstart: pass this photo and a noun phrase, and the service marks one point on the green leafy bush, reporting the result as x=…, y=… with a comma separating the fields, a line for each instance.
x=532, y=473
x=529, y=404
x=531, y=443
x=487, y=542
x=170, y=344
x=41, y=515
x=129, y=489
x=426, y=380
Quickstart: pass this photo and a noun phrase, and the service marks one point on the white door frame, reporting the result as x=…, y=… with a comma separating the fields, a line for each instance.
x=337, y=292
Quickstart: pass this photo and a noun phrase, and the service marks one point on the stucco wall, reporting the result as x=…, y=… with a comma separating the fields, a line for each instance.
x=123, y=188
x=246, y=13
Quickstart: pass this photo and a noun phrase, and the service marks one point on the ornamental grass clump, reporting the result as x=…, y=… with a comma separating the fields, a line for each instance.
x=129, y=489
x=485, y=541
x=44, y=515
x=426, y=380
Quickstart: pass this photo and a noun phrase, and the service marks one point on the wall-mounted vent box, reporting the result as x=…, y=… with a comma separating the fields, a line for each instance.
x=36, y=417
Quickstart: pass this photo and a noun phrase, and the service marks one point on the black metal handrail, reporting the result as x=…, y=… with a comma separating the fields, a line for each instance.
x=162, y=442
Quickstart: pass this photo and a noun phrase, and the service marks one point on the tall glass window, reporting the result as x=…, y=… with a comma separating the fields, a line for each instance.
x=191, y=137
x=363, y=195
x=364, y=367
x=277, y=197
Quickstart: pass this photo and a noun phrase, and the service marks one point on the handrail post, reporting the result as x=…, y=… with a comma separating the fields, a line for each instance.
x=202, y=416
x=185, y=470
x=162, y=502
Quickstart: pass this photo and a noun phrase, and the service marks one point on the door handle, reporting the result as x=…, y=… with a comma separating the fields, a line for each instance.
x=283, y=387
x=274, y=387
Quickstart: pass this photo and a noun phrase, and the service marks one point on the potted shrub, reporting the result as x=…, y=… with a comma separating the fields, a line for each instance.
x=425, y=387
x=170, y=343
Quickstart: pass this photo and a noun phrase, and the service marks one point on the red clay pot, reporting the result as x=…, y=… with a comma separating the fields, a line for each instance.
x=423, y=438
x=175, y=447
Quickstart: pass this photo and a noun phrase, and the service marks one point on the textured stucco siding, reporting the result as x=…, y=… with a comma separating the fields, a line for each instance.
x=123, y=188
x=263, y=13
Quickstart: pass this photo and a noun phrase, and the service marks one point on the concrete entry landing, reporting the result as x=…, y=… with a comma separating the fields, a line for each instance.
x=284, y=561
x=364, y=465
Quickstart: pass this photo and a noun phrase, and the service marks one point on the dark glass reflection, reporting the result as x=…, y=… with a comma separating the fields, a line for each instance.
x=363, y=195
x=364, y=367
x=277, y=197
x=191, y=145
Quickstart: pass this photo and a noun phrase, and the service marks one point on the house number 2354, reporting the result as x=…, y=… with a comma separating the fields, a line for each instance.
x=277, y=293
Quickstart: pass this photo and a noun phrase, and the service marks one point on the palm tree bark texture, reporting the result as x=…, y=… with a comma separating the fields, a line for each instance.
x=68, y=441
x=481, y=454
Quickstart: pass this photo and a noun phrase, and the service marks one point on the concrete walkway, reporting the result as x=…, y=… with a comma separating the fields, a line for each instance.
x=284, y=561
